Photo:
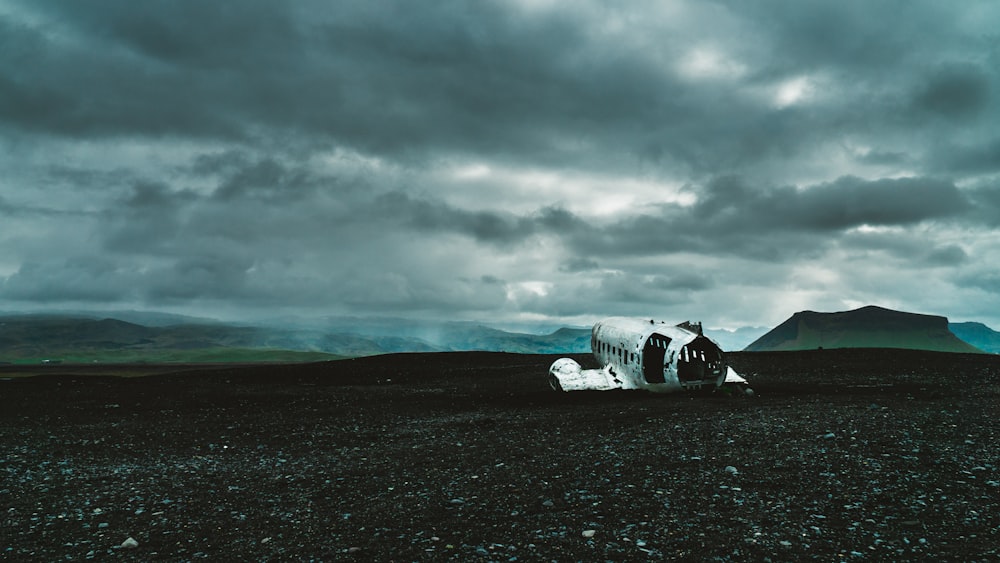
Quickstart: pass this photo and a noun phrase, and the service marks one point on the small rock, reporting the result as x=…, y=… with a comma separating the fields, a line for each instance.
x=731, y=470
x=130, y=543
x=589, y=533
x=829, y=436
x=785, y=543
x=548, y=503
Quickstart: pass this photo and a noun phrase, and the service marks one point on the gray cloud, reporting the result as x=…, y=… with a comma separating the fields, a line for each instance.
x=955, y=91
x=86, y=279
x=579, y=264
x=499, y=159
x=732, y=217
x=982, y=157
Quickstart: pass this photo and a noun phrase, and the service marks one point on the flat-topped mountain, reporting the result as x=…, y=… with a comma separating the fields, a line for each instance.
x=867, y=327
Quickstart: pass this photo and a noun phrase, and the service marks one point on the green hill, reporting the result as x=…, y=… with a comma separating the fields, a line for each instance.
x=40, y=338
x=52, y=338
x=867, y=327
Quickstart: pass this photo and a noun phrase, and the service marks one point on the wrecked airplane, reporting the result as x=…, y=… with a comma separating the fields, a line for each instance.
x=649, y=355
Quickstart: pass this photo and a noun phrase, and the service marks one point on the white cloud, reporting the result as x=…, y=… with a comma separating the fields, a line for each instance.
x=710, y=63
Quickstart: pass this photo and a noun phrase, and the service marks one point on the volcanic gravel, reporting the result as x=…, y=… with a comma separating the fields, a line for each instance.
x=843, y=455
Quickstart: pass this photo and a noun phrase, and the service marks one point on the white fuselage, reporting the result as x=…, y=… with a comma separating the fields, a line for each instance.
x=644, y=354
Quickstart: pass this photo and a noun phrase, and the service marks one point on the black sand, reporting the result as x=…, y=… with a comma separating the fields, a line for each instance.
x=841, y=455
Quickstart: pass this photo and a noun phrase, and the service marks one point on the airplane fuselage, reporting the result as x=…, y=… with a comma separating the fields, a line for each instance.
x=645, y=354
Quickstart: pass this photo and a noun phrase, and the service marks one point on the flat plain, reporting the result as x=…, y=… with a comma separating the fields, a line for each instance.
x=840, y=455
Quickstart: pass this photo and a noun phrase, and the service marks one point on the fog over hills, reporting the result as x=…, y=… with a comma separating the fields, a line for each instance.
x=129, y=336
x=867, y=327
x=31, y=338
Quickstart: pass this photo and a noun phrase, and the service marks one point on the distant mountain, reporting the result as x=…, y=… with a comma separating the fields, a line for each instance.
x=85, y=337
x=562, y=341
x=35, y=338
x=733, y=340
x=867, y=327
x=977, y=334
x=42, y=338
x=144, y=318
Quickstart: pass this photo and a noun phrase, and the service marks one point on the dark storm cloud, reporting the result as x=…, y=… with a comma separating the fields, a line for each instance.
x=956, y=91
x=269, y=181
x=146, y=220
x=217, y=36
x=844, y=203
x=86, y=279
x=850, y=202
x=579, y=264
x=854, y=34
x=495, y=156
x=949, y=255
x=207, y=276
x=732, y=216
x=397, y=79
x=978, y=158
x=402, y=79
x=627, y=288
x=903, y=247
x=985, y=280
x=401, y=210
x=11, y=209
x=117, y=70
x=987, y=201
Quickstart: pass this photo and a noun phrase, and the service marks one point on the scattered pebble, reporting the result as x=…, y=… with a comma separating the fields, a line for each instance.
x=341, y=477
x=129, y=543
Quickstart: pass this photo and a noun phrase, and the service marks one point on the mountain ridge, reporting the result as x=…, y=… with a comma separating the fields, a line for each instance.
x=37, y=338
x=866, y=327
x=977, y=334
x=86, y=337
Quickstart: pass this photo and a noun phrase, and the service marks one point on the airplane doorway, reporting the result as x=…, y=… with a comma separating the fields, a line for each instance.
x=652, y=358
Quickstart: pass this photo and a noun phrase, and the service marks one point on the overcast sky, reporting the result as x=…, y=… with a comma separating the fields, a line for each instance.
x=731, y=161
